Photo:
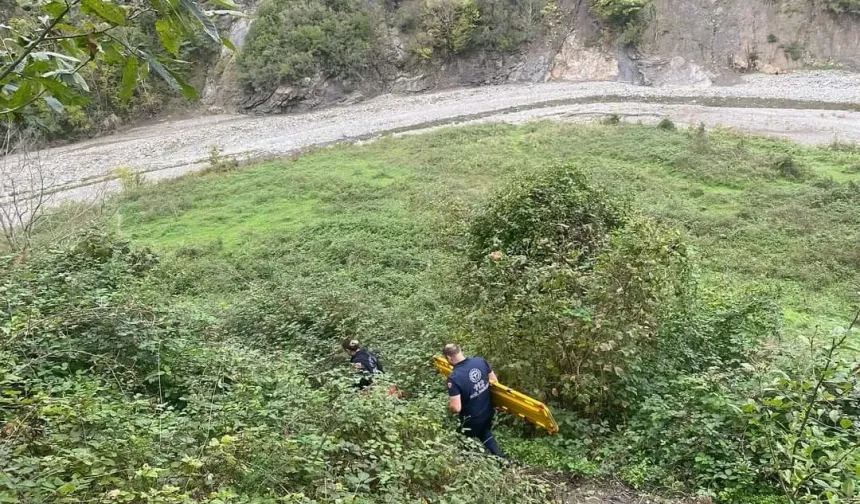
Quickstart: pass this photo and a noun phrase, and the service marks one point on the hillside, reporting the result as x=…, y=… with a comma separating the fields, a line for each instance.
x=412, y=45
x=199, y=362
x=181, y=301
x=293, y=55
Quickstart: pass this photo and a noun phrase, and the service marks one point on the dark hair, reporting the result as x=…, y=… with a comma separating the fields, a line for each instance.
x=451, y=350
x=350, y=344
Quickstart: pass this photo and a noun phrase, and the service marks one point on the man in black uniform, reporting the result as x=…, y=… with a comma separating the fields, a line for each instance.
x=469, y=396
x=363, y=360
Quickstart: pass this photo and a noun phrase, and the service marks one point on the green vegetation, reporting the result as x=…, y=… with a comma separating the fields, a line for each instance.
x=671, y=293
x=794, y=51
x=843, y=6
x=294, y=40
x=74, y=68
x=447, y=27
x=299, y=42
x=625, y=18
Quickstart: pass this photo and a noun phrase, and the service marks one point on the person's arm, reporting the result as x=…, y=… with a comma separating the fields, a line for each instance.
x=492, y=374
x=455, y=404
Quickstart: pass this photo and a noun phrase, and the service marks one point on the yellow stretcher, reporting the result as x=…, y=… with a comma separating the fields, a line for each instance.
x=511, y=401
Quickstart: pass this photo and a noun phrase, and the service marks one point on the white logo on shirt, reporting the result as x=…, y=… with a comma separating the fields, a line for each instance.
x=475, y=375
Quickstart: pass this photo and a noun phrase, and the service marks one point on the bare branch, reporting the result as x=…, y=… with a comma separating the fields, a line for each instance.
x=25, y=190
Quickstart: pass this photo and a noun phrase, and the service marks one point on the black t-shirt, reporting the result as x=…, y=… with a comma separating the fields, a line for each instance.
x=470, y=379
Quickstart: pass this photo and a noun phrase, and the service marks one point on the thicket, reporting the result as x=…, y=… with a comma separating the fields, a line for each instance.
x=292, y=42
x=843, y=6
x=589, y=306
x=212, y=371
x=625, y=19
x=107, y=393
x=554, y=256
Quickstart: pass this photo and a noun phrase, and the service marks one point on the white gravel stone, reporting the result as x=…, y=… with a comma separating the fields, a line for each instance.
x=792, y=105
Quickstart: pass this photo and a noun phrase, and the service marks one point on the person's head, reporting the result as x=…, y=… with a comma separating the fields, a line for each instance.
x=351, y=346
x=453, y=353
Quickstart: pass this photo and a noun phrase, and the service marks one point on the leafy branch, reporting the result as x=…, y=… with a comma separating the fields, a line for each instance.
x=34, y=44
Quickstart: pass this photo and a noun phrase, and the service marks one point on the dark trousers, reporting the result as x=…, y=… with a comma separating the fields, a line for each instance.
x=483, y=432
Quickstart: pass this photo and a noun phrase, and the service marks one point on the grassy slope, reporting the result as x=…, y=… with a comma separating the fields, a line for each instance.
x=364, y=222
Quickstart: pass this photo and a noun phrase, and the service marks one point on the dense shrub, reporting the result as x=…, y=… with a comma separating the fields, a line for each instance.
x=108, y=394
x=292, y=40
x=843, y=6
x=804, y=422
x=562, y=277
x=618, y=12
x=591, y=307
x=624, y=18
x=508, y=25
x=447, y=27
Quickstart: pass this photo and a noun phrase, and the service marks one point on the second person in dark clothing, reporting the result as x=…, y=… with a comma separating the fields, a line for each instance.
x=469, y=396
x=363, y=360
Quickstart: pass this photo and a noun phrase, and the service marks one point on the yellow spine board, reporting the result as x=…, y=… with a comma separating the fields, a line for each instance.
x=511, y=401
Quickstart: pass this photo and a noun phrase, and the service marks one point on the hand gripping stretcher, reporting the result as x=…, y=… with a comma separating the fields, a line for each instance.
x=511, y=401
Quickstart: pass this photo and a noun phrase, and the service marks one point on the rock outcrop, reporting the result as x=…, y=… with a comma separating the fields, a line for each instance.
x=687, y=42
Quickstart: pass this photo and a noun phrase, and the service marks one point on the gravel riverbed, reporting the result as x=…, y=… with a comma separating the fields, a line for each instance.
x=810, y=107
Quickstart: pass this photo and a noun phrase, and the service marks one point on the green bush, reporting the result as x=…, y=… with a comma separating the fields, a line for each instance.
x=786, y=166
x=666, y=124
x=689, y=434
x=507, y=25
x=292, y=40
x=804, y=422
x=744, y=433
x=447, y=27
x=623, y=17
x=218, y=162
x=842, y=6
x=562, y=277
x=108, y=393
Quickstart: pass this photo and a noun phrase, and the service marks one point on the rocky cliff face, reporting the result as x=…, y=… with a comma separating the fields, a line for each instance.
x=687, y=42
x=725, y=36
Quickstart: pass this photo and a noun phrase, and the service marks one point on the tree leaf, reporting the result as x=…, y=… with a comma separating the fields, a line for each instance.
x=228, y=44
x=105, y=10
x=129, y=79
x=55, y=9
x=58, y=92
x=113, y=53
x=81, y=82
x=66, y=489
x=188, y=91
x=55, y=104
x=23, y=94
x=848, y=487
x=170, y=38
x=162, y=72
x=208, y=25
x=44, y=55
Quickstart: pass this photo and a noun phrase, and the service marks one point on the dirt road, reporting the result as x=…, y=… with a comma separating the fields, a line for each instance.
x=813, y=108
